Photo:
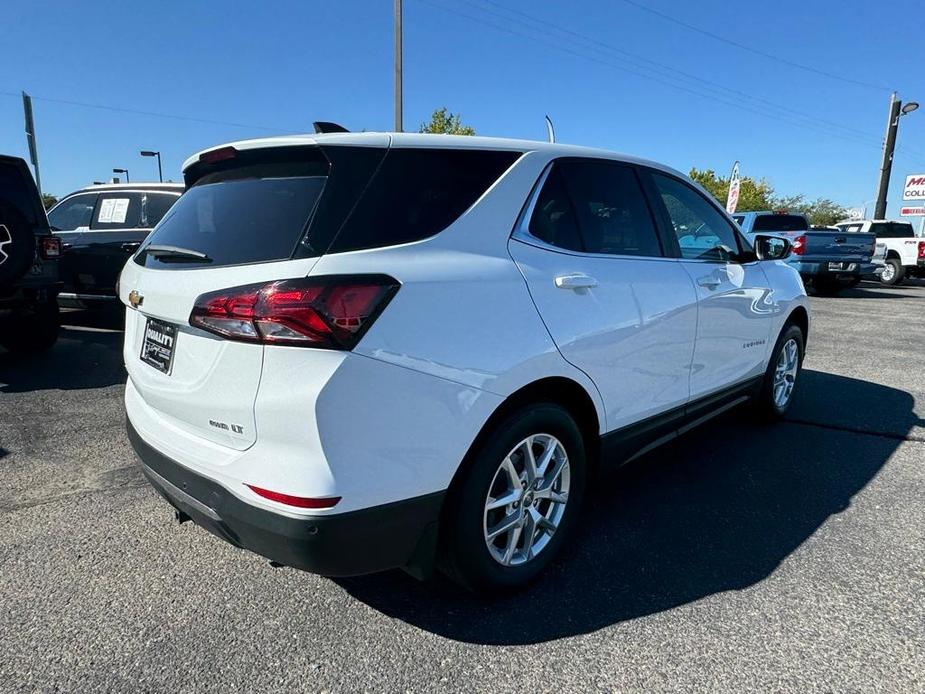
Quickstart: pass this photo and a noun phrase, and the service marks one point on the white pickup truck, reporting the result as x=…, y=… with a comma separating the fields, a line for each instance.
x=904, y=252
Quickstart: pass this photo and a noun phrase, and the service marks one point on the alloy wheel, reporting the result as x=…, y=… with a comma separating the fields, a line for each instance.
x=526, y=499
x=785, y=373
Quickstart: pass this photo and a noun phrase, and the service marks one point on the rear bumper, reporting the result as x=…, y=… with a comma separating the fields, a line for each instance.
x=396, y=535
x=821, y=269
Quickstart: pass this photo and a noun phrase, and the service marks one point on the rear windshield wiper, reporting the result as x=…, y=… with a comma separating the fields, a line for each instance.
x=166, y=253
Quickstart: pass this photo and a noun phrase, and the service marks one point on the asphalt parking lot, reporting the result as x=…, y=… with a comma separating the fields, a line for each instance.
x=744, y=557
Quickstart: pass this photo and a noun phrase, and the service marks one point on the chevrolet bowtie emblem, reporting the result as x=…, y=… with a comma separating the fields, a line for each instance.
x=135, y=298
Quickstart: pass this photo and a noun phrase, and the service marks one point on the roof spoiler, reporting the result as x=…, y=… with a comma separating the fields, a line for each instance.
x=322, y=126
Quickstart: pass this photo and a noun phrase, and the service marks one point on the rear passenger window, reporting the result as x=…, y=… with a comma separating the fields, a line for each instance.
x=153, y=208
x=703, y=232
x=117, y=211
x=417, y=193
x=553, y=219
x=594, y=207
x=901, y=231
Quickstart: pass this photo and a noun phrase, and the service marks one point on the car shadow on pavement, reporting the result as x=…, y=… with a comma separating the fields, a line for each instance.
x=88, y=354
x=718, y=510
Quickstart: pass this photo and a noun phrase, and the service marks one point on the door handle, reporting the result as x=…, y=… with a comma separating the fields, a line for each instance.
x=575, y=282
x=129, y=247
x=709, y=281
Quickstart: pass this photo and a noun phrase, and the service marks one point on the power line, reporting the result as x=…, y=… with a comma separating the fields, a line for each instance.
x=672, y=71
x=752, y=49
x=153, y=114
x=663, y=79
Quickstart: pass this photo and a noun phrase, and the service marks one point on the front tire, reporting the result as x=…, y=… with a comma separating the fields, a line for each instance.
x=782, y=374
x=516, y=501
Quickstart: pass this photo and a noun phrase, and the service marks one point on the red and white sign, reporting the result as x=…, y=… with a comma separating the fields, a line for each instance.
x=914, y=188
x=912, y=211
x=733, y=198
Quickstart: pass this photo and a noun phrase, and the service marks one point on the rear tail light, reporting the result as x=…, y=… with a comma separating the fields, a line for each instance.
x=799, y=245
x=921, y=250
x=325, y=312
x=51, y=247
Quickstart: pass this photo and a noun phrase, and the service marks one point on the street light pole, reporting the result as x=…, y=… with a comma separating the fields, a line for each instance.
x=886, y=165
x=398, y=66
x=897, y=111
x=120, y=171
x=149, y=153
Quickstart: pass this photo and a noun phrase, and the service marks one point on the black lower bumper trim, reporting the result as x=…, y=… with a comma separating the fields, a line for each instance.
x=398, y=535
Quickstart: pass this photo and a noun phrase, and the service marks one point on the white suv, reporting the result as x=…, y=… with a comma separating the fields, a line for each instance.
x=352, y=352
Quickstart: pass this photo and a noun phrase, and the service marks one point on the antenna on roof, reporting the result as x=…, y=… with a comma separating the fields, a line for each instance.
x=322, y=126
x=550, y=131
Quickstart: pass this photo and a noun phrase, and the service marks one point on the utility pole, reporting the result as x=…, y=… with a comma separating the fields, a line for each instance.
x=30, y=138
x=886, y=166
x=398, y=66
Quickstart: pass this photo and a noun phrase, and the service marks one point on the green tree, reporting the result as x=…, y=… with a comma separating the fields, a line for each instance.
x=49, y=200
x=442, y=122
x=754, y=194
x=821, y=211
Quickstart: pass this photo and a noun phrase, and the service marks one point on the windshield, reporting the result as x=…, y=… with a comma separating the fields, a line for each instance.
x=780, y=222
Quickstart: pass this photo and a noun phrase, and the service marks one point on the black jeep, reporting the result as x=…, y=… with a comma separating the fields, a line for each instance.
x=28, y=263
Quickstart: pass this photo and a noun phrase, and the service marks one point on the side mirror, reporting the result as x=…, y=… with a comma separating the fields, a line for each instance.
x=772, y=247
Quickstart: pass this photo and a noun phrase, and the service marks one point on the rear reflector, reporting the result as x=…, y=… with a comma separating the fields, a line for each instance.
x=799, y=245
x=296, y=501
x=330, y=312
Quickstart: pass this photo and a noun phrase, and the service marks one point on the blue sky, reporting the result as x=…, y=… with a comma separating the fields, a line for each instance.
x=608, y=72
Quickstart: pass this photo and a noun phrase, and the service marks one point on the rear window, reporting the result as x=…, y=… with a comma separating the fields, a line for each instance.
x=780, y=222
x=234, y=222
x=262, y=206
x=417, y=193
x=739, y=218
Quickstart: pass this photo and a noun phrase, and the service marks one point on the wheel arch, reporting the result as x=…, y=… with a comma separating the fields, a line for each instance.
x=559, y=390
x=799, y=317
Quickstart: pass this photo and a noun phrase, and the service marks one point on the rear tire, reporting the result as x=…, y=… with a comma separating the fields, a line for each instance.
x=32, y=330
x=893, y=273
x=782, y=374
x=476, y=552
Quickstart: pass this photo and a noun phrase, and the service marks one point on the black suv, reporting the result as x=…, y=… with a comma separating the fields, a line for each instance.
x=28, y=263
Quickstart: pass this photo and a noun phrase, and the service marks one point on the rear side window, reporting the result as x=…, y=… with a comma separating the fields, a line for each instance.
x=594, y=207
x=417, y=193
x=739, y=218
x=153, y=208
x=73, y=212
x=553, y=220
x=880, y=229
x=851, y=228
x=901, y=231
x=117, y=211
x=780, y=222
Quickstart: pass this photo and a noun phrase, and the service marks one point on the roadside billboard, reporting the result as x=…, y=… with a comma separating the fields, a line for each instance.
x=914, y=188
x=912, y=211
